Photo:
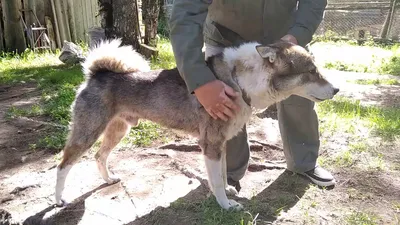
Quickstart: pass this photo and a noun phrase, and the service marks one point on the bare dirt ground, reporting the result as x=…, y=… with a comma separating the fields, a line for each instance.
x=166, y=184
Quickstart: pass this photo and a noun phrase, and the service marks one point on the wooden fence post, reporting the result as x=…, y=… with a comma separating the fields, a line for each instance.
x=13, y=32
x=57, y=30
x=71, y=20
x=388, y=21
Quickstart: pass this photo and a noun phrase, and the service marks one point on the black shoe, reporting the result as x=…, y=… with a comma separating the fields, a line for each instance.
x=320, y=177
x=235, y=184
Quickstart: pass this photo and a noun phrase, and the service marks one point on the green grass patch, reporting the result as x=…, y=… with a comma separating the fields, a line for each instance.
x=385, y=122
x=210, y=213
x=368, y=57
x=165, y=58
x=376, y=82
x=345, y=159
x=144, y=134
x=362, y=218
x=58, y=84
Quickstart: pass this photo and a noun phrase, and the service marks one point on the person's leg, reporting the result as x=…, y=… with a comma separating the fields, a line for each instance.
x=237, y=149
x=298, y=123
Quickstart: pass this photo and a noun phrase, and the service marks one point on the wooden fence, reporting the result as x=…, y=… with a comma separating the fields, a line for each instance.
x=64, y=20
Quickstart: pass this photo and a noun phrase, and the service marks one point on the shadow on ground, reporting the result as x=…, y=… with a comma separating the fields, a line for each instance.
x=71, y=214
x=195, y=207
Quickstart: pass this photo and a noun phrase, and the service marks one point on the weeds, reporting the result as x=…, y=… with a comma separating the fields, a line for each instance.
x=384, y=121
x=165, y=58
x=377, y=82
x=212, y=214
x=361, y=218
x=144, y=134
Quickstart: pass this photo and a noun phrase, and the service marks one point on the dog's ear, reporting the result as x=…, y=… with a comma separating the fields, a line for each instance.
x=267, y=52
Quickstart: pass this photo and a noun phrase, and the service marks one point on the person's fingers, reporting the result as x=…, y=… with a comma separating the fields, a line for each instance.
x=230, y=104
x=220, y=115
x=230, y=91
x=212, y=114
x=225, y=110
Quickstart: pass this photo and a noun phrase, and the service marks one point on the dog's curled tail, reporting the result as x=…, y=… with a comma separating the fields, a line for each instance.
x=111, y=56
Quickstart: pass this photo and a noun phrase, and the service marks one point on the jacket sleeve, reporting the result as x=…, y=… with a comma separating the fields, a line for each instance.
x=186, y=25
x=308, y=17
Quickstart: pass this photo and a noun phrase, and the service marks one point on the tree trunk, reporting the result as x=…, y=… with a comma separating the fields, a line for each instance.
x=107, y=20
x=1, y=31
x=150, y=10
x=13, y=32
x=119, y=20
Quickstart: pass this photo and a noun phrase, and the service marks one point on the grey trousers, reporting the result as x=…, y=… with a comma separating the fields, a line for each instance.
x=298, y=125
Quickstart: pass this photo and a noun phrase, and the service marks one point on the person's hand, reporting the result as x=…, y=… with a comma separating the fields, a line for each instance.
x=289, y=38
x=216, y=96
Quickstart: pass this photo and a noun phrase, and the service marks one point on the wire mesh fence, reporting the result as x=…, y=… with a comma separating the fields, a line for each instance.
x=354, y=19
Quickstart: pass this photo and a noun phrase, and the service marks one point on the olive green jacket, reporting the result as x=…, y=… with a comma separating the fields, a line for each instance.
x=231, y=22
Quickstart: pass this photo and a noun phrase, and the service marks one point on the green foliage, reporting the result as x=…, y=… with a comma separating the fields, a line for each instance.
x=361, y=218
x=212, y=214
x=385, y=121
x=165, y=59
x=377, y=81
x=144, y=134
x=391, y=66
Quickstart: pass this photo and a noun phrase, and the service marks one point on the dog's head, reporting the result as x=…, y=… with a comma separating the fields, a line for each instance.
x=294, y=72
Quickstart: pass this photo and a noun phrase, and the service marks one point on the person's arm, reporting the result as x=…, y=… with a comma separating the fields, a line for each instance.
x=186, y=25
x=308, y=17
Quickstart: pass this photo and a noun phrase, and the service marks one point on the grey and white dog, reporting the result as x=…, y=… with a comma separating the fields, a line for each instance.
x=120, y=89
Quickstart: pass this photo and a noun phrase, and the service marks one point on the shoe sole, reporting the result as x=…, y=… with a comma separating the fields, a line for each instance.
x=319, y=182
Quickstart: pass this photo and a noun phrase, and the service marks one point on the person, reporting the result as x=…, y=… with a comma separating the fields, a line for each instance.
x=222, y=23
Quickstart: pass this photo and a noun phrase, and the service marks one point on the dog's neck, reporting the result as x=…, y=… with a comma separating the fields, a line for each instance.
x=253, y=77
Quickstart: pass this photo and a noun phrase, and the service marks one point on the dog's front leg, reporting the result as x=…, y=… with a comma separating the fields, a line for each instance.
x=230, y=190
x=217, y=183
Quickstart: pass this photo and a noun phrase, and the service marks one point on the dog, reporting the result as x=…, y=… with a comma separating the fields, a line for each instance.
x=120, y=89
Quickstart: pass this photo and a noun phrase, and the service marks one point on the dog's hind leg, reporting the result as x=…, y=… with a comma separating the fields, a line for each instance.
x=88, y=124
x=113, y=134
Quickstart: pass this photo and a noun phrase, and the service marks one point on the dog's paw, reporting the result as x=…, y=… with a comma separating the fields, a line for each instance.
x=234, y=205
x=61, y=203
x=231, y=191
x=112, y=180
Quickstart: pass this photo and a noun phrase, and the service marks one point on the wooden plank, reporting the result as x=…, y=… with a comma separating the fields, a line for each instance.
x=356, y=7
x=71, y=19
x=78, y=20
x=40, y=10
x=64, y=10
x=50, y=32
x=57, y=29
x=85, y=20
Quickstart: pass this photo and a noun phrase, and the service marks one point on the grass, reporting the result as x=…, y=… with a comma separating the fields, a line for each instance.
x=210, y=213
x=376, y=82
x=350, y=56
x=385, y=122
x=144, y=134
x=165, y=59
x=362, y=218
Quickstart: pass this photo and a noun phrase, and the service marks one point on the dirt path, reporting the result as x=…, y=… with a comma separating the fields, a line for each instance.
x=166, y=184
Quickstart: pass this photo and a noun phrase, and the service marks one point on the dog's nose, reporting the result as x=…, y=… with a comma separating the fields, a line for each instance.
x=335, y=91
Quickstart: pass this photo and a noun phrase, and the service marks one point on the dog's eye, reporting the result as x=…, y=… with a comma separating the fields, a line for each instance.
x=313, y=71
